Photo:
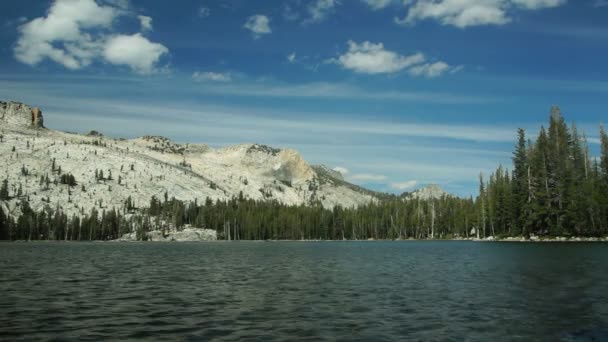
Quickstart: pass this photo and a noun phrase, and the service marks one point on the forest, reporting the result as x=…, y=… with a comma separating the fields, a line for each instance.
x=555, y=188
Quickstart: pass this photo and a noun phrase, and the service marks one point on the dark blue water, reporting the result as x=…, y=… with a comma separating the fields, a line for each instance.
x=376, y=291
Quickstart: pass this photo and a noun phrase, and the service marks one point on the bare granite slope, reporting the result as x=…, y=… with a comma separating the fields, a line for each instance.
x=108, y=171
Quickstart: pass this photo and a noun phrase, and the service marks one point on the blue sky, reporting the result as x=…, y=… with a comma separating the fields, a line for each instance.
x=396, y=94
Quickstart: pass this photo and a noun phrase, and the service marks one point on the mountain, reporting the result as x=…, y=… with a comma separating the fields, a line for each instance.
x=76, y=172
x=431, y=191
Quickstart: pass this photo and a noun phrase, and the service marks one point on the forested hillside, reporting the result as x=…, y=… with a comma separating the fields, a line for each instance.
x=556, y=188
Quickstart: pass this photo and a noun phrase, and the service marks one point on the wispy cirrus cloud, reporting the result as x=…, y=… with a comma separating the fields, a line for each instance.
x=211, y=76
x=402, y=186
x=368, y=177
x=378, y=4
x=319, y=10
x=326, y=90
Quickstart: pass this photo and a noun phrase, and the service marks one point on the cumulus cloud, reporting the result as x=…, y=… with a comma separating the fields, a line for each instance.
x=342, y=170
x=258, y=25
x=145, y=22
x=465, y=13
x=74, y=33
x=211, y=76
x=368, y=177
x=320, y=9
x=134, y=51
x=403, y=185
x=370, y=58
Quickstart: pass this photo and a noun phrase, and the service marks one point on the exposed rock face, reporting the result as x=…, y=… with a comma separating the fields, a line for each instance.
x=432, y=191
x=37, y=118
x=332, y=173
x=21, y=115
x=293, y=167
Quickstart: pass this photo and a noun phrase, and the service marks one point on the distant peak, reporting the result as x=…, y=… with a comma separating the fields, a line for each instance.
x=431, y=191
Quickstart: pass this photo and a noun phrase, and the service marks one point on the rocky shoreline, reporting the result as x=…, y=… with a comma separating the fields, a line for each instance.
x=544, y=239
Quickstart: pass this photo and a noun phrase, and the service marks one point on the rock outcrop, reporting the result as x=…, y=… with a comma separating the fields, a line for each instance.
x=188, y=234
x=331, y=173
x=20, y=115
x=432, y=191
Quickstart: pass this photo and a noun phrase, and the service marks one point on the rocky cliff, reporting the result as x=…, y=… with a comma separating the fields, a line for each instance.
x=20, y=115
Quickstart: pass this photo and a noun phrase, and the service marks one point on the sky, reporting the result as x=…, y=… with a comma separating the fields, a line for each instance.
x=394, y=94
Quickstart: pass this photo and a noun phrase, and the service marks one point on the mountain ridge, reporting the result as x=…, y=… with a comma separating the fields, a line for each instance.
x=109, y=171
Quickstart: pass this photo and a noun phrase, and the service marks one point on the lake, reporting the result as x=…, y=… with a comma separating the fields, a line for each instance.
x=368, y=291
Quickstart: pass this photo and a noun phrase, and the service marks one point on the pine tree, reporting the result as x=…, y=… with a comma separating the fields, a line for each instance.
x=4, y=194
x=604, y=154
x=521, y=188
x=482, y=207
x=4, y=229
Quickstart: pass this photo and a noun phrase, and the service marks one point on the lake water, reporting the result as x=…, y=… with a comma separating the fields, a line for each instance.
x=373, y=291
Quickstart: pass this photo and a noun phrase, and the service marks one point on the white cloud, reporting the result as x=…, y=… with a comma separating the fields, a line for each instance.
x=370, y=58
x=430, y=70
x=145, y=22
x=211, y=76
x=465, y=13
x=291, y=57
x=74, y=33
x=368, y=177
x=320, y=9
x=134, y=51
x=459, y=13
x=342, y=170
x=378, y=4
x=403, y=185
x=59, y=36
x=258, y=25
x=204, y=12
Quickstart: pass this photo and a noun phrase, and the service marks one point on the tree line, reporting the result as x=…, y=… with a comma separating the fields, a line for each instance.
x=556, y=188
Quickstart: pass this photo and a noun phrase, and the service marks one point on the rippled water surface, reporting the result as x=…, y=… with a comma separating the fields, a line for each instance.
x=304, y=291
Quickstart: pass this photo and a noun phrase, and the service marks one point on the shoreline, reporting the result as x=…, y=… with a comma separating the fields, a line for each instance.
x=534, y=239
